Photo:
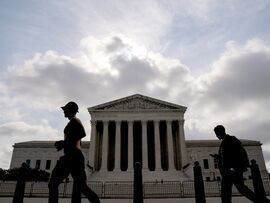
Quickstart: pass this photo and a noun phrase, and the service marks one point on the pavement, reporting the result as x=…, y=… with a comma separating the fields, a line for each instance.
x=171, y=200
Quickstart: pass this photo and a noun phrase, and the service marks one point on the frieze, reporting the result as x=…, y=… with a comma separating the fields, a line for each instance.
x=136, y=104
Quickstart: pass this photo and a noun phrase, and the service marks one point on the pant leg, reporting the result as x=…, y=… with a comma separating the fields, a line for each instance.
x=90, y=194
x=59, y=173
x=226, y=189
x=78, y=175
x=238, y=181
x=76, y=191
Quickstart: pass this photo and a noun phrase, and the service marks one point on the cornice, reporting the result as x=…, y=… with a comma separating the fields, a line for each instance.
x=137, y=103
x=85, y=144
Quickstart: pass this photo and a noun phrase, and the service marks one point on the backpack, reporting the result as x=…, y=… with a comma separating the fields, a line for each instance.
x=238, y=154
x=243, y=159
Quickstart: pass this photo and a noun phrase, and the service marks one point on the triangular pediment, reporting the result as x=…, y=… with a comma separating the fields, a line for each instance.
x=136, y=102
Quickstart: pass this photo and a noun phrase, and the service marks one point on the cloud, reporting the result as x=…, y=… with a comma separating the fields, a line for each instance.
x=146, y=22
x=14, y=132
x=240, y=72
x=24, y=130
x=234, y=92
x=102, y=69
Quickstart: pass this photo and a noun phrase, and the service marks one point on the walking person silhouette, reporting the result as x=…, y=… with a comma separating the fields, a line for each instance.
x=233, y=162
x=72, y=162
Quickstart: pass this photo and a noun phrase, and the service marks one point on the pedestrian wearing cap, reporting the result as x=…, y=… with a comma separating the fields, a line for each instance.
x=73, y=160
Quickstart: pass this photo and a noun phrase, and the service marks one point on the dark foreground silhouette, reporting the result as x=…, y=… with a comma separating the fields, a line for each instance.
x=73, y=160
x=233, y=162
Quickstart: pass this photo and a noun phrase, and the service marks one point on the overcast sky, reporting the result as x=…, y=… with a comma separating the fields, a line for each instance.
x=211, y=56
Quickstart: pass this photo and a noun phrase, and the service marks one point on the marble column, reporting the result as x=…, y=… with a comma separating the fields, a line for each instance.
x=183, y=150
x=92, y=148
x=144, y=145
x=104, y=162
x=130, y=145
x=170, y=146
x=117, y=146
x=157, y=146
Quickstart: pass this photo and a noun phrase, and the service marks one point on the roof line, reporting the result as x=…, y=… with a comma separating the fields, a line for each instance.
x=93, y=108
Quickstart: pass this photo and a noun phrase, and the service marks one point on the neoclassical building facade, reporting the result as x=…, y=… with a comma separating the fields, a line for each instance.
x=138, y=129
x=141, y=129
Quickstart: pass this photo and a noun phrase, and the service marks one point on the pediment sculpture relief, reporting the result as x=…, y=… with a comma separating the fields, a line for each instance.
x=136, y=104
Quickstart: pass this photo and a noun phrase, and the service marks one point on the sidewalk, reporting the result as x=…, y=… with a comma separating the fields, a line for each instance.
x=182, y=200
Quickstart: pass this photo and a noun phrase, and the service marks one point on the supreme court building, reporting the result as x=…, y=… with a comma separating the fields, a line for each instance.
x=138, y=129
x=134, y=129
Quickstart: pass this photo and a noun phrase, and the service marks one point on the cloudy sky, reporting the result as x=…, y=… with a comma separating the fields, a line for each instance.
x=211, y=56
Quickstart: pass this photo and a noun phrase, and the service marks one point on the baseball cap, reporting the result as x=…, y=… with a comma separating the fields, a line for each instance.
x=71, y=106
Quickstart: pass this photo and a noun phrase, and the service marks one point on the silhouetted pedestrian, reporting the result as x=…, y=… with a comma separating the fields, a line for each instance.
x=73, y=160
x=233, y=162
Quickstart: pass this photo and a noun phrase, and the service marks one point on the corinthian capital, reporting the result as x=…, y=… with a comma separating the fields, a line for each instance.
x=93, y=122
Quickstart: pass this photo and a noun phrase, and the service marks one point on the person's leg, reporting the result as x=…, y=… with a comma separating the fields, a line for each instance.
x=238, y=181
x=226, y=189
x=76, y=191
x=59, y=173
x=90, y=194
x=78, y=175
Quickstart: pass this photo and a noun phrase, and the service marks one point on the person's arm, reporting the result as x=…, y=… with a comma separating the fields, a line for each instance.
x=59, y=145
x=215, y=156
x=225, y=161
x=218, y=159
x=81, y=130
x=231, y=147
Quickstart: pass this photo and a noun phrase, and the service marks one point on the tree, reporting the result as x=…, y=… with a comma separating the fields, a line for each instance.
x=31, y=175
x=2, y=174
